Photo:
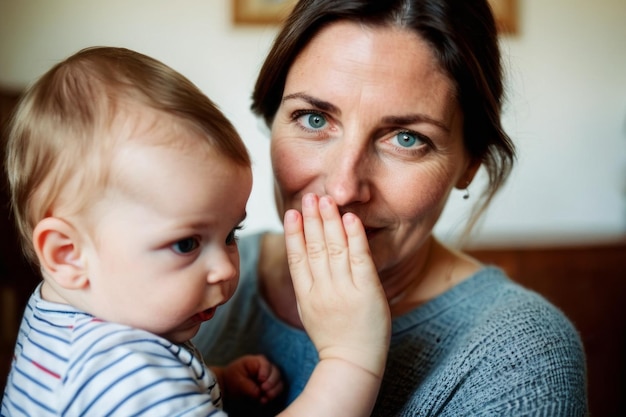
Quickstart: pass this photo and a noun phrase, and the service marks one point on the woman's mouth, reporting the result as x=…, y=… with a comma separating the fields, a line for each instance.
x=371, y=232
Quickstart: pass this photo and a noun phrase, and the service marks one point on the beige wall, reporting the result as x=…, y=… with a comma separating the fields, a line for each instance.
x=566, y=109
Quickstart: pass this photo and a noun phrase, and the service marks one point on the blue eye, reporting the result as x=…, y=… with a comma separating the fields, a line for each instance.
x=407, y=139
x=186, y=245
x=313, y=121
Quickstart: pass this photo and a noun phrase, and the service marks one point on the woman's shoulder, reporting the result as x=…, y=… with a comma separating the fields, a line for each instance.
x=521, y=340
x=516, y=331
x=486, y=344
x=510, y=345
x=506, y=308
x=490, y=315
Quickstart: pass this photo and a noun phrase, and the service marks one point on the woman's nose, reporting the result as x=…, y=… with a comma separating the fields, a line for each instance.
x=347, y=176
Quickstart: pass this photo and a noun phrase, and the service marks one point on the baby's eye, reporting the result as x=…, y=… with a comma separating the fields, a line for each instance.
x=186, y=245
x=408, y=139
x=232, y=237
x=313, y=121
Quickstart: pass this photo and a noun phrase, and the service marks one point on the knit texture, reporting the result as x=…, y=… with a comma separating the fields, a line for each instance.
x=487, y=347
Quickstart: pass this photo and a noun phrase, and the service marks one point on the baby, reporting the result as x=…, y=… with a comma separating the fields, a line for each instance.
x=128, y=188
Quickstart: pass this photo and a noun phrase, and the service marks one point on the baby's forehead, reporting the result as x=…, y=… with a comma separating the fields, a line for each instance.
x=174, y=182
x=147, y=126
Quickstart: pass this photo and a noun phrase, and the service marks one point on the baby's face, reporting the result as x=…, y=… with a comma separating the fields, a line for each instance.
x=164, y=255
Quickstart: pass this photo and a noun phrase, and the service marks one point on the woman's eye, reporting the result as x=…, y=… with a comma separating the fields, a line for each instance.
x=408, y=139
x=314, y=121
x=186, y=245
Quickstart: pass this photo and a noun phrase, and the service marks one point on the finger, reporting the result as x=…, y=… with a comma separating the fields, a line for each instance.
x=315, y=239
x=249, y=388
x=261, y=367
x=361, y=262
x=336, y=240
x=296, y=252
x=273, y=392
x=273, y=383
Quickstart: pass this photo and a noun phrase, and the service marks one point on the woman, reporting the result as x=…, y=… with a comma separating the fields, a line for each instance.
x=386, y=107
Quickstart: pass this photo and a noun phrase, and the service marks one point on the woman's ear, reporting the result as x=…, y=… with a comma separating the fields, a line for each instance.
x=466, y=179
x=58, y=248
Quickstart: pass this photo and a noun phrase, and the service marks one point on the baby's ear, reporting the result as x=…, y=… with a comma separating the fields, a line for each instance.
x=58, y=248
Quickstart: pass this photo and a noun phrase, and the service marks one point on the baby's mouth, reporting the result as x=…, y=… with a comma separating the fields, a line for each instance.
x=206, y=314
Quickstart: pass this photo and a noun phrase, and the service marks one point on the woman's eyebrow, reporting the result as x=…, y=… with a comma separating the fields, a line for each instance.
x=415, y=118
x=320, y=104
x=392, y=120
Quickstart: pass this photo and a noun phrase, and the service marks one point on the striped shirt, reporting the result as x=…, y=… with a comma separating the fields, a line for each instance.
x=69, y=363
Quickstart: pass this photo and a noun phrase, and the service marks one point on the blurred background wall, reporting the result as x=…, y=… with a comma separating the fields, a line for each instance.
x=566, y=108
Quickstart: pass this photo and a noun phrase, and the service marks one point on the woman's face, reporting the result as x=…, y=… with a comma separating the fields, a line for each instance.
x=368, y=117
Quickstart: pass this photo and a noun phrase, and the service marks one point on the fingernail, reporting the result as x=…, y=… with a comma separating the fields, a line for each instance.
x=308, y=200
x=291, y=216
x=325, y=202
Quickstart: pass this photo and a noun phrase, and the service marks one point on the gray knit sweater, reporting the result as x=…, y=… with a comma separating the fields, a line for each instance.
x=487, y=347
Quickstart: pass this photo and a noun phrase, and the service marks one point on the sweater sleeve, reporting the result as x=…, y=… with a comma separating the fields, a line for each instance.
x=523, y=359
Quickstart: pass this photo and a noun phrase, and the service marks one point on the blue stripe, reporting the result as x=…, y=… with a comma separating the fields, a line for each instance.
x=18, y=408
x=77, y=393
x=28, y=308
x=51, y=353
x=32, y=399
x=179, y=348
x=173, y=397
x=19, y=342
x=142, y=389
x=50, y=323
x=37, y=330
x=92, y=324
x=129, y=343
x=87, y=354
x=71, y=311
x=175, y=364
x=30, y=378
x=111, y=349
x=123, y=377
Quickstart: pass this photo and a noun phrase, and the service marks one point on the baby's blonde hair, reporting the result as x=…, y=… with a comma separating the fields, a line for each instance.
x=60, y=131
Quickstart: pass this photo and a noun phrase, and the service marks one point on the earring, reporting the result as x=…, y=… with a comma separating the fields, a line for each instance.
x=466, y=194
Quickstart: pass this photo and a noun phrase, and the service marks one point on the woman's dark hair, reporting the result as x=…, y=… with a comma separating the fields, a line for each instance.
x=463, y=37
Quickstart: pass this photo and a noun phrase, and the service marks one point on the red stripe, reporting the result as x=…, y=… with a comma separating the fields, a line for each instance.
x=46, y=370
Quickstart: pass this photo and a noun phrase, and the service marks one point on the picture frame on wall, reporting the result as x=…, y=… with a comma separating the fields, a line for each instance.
x=261, y=11
x=505, y=13
x=274, y=11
